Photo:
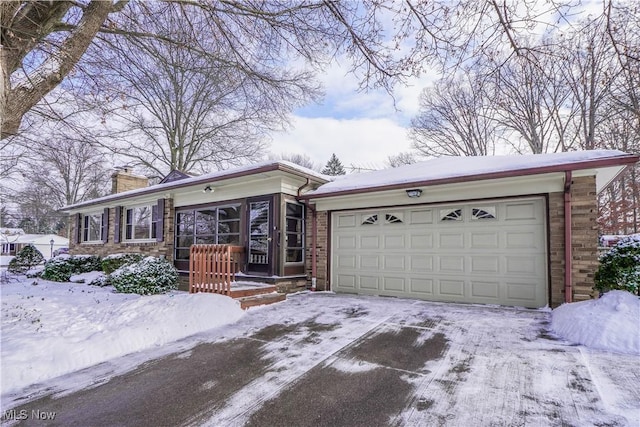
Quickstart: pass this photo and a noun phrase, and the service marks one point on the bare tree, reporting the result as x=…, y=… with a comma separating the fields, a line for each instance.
x=528, y=99
x=176, y=108
x=455, y=119
x=44, y=40
x=299, y=159
x=401, y=159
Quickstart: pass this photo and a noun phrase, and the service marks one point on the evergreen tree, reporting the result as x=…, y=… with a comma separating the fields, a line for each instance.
x=334, y=166
x=26, y=259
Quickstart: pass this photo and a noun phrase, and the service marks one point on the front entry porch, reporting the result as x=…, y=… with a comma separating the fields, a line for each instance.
x=213, y=268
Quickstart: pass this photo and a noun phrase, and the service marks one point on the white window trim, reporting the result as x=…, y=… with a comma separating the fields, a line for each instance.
x=83, y=228
x=151, y=237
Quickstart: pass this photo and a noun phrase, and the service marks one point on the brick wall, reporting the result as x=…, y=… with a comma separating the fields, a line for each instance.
x=584, y=211
x=584, y=240
x=158, y=249
x=124, y=180
x=556, y=247
x=322, y=246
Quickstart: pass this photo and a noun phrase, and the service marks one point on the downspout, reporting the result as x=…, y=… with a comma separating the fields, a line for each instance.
x=314, y=233
x=568, y=255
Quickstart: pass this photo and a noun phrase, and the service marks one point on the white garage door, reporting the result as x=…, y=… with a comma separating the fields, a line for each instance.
x=489, y=252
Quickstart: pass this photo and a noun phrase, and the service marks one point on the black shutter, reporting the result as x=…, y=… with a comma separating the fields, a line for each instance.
x=160, y=221
x=116, y=224
x=105, y=225
x=78, y=236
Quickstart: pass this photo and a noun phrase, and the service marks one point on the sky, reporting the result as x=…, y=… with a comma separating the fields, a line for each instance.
x=362, y=128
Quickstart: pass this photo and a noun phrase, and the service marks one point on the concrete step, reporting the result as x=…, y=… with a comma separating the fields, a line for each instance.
x=261, y=299
x=246, y=290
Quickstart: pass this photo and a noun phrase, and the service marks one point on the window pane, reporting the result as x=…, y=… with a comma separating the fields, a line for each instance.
x=182, y=254
x=184, y=223
x=229, y=227
x=229, y=239
x=95, y=224
x=294, y=210
x=294, y=255
x=205, y=240
x=184, y=241
x=142, y=222
x=206, y=222
x=229, y=213
x=294, y=225
x=294, y=240
x=259, y=218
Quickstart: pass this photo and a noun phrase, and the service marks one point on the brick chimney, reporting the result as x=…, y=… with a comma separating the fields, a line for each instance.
x=125, y=180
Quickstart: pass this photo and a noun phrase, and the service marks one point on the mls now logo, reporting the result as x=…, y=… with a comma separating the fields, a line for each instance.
x=23, y=414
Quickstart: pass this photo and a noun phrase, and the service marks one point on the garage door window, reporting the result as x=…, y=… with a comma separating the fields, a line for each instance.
x=370, y=220
x=483, y=213
x=450, y=214
x=392, y=219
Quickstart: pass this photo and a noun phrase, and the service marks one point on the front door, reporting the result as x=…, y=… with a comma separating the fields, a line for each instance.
x=260, y=251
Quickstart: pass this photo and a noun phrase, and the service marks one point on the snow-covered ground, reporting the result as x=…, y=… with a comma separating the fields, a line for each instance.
x=611, y=323
x=50, y=329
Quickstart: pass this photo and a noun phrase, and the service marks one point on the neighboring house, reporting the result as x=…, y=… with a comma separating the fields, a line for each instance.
x=487, y=230
x=12, y=240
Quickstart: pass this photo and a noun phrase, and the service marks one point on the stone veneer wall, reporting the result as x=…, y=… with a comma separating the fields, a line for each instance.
x=157, y=249
x=584, y=239
x=322, y=246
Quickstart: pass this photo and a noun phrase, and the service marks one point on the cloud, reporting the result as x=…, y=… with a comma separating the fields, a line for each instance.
x=361, y=142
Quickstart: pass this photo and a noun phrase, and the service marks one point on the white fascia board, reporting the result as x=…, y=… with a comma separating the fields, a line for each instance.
x=484, y=189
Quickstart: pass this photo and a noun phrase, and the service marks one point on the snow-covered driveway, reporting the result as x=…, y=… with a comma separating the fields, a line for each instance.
x=329, y=360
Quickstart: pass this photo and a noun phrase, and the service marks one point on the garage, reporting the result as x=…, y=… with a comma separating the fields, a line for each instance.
x=487, y=251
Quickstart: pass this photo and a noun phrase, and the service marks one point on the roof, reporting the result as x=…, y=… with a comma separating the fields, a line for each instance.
x=445, y=170
x=256, y=168
x=34, y=239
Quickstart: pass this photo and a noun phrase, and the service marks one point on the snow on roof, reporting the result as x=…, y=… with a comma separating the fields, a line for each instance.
x=206, y=178
x=443, y=168
x=8, y=231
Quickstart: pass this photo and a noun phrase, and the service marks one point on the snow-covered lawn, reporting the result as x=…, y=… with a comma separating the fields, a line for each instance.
x=50, y=329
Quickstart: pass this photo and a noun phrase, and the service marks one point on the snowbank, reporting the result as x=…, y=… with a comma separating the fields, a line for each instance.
x=610, y=323
x=51, y=329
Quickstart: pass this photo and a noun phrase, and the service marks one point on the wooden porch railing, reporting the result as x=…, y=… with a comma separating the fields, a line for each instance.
x=212, y=268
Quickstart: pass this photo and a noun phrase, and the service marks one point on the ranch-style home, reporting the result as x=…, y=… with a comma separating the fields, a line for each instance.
x=508, y=230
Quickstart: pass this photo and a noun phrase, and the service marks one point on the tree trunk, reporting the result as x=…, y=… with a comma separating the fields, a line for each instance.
x=18, y=100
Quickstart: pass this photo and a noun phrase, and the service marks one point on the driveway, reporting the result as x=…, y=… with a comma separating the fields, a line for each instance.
x=330, y=360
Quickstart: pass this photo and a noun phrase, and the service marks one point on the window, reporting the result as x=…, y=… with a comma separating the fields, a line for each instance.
x=295, y=233
x=371, y=219
x=140, y=222
x=392, y=219
x=92, y=227
x=259, y=232
x=484, y=212
x=212, y=225
x=450, y=214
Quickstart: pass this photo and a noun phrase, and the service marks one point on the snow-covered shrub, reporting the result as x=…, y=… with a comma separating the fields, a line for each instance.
x=112, y=262
x=620, y=267
x=34, y=272
x=62, y=267
x=102, y=280
x=149, y=276
x=27, y=258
